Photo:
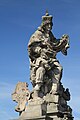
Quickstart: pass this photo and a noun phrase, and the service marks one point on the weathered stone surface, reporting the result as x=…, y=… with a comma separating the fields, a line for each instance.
x=21, y=96
x=34, y=111
x=48, y=98
x=52, y=108
x=45, y=69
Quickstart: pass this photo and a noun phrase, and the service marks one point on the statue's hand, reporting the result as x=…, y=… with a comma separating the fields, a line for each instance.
x=65, y=42
x=65, y=38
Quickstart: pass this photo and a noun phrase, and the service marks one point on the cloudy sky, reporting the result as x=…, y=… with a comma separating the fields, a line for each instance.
x=18, y=20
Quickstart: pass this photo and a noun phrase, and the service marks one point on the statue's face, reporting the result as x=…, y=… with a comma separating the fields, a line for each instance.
x=48, y=27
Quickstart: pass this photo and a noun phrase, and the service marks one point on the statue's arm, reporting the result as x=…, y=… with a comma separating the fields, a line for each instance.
x=34, y=49
x=61, y=43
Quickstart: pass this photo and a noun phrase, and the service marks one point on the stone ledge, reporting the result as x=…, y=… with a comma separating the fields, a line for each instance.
x=38, y=118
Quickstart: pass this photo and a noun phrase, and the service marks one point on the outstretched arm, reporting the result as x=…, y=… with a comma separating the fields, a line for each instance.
x=62, y=44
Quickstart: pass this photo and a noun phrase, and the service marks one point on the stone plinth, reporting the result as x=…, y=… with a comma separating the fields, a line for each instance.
x=35, y=110
x=52, y=108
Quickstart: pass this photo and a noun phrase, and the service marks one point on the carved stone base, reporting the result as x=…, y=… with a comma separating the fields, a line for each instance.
x=57, y=112
x=50, y=98
x=43, y=111
x=50, y=107
x=35, y=111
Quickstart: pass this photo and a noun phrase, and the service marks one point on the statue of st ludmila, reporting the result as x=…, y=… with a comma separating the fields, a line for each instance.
x=46, y=73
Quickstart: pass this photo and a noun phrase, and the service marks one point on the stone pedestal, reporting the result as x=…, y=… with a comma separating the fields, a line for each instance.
x=36, y=110
x=50, y=107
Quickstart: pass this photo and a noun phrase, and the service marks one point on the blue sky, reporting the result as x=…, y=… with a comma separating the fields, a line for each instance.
x=18, y=20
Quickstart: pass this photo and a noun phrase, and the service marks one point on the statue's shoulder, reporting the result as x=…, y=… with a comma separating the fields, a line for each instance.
x=36, y=37
x=37, y=34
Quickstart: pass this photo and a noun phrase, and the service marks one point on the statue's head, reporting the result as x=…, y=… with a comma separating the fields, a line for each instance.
x=47, y=21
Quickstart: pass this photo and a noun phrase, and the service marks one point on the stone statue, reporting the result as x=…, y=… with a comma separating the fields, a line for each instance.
x=43, y=47
x=48, y=98
x=21, y=95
